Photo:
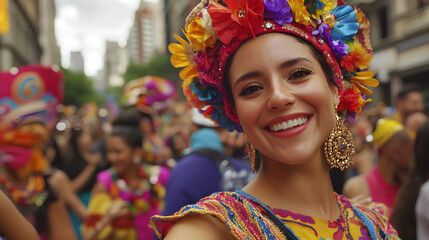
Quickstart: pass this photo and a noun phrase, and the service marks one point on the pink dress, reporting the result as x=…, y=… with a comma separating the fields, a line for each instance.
x=381, y=191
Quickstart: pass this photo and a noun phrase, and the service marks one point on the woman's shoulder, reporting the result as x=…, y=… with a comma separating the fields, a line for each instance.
x=241, y=216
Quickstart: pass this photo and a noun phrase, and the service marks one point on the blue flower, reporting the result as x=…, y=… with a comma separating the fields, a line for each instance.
x=319, y=4
x=219, y=116
x=339, y=48
x=278, y=11
x=205, y=93
x=345, y=24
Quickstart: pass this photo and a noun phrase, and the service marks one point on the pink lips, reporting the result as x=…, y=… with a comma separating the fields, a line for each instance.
x=290, y=132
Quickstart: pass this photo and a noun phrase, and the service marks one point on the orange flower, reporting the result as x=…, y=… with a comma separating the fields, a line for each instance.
x=364, y=78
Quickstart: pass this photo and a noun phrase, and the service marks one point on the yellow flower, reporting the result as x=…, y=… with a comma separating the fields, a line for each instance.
x=300, y=13
x=362, y=58
x=198, y=36
x=182, y=56
x=361, y=102
x=364, y=78
x=328, y=5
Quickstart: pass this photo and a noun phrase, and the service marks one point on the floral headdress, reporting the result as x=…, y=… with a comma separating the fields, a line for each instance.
x=215, y=29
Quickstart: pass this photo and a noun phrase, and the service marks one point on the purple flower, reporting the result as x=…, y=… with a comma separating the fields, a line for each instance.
x=350, y=117
x=339, y=48
x=278, y=10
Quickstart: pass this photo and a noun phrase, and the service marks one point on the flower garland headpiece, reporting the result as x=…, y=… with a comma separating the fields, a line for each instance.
x=215, y=29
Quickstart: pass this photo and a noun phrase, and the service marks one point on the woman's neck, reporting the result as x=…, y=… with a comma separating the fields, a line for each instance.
x=131, y=175
x=304, y=189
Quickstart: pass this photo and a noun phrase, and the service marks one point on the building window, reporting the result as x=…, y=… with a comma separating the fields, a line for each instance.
x=384, y=22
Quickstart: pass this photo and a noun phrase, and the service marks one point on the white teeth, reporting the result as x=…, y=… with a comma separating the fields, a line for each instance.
x=289, y=124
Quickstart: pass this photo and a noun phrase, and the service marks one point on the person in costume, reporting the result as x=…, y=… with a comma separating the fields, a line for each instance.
x=152, y=95
x=80, y=165
x=128, y=194
x=410, y=213
x=280, y=71
x=28, y=100
x=382, y=183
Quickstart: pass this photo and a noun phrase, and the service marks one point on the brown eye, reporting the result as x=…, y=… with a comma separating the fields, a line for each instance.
x=249, y=90
x=300, y=73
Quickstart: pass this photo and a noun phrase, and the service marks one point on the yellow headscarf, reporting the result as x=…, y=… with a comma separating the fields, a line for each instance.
x=384, y=130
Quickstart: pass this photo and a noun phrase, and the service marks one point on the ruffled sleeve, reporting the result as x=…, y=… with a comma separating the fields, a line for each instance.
x=376, y=213
x=242, y=217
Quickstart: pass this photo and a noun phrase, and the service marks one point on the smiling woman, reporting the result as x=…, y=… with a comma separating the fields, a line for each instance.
x=287, y=74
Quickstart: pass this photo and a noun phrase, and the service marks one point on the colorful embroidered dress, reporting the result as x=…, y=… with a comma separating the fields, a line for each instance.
x=143, y=203
x=247, y=218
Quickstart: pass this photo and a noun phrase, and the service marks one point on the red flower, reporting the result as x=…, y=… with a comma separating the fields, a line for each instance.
x=348, y=101
x=348, y=63
x=236, y=20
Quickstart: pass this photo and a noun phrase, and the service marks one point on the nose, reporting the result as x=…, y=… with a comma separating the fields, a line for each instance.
x=280, y=95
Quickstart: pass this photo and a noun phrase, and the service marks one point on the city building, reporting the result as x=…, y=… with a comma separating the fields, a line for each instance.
x=147, y=35
x=20, y=46
x=50, y=51
x=76, y=62
x=116, y=60
x=175, y=15
x=31, y=36
x=400, y=37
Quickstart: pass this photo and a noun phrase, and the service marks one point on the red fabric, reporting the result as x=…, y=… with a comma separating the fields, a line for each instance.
x=91, y=220
x=121, y=222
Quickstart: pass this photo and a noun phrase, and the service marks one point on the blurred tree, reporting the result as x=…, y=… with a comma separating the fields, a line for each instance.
x=159, y=66
x=78, y=89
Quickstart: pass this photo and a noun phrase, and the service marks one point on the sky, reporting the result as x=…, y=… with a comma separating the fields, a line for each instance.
x=85, y=25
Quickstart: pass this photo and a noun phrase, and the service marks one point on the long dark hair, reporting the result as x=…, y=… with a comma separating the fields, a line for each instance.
x=404, y=217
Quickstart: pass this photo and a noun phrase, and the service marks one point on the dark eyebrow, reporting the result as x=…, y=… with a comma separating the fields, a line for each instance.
x=283, y=65
x=293, y=62
x=247, y=76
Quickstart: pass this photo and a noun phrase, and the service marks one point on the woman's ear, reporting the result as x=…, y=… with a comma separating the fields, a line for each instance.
x=335, y=95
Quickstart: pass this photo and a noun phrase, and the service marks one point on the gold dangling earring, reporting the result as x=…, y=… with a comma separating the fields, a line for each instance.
x=339, y=147
x=252, y=156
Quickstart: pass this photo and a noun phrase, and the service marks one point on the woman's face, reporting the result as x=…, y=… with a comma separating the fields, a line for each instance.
x=120, y=154
x=282, y=98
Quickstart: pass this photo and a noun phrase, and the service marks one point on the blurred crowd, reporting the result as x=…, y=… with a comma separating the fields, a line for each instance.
x=102, y=172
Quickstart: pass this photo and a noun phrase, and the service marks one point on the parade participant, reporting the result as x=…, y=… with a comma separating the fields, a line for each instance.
x=206, y=169
x=410, y=214
x=28, y=100
x=382, y=183
x=279, y=71
x=128, y=194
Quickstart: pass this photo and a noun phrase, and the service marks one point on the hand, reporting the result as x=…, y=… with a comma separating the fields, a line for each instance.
x=116, y=209
x=93, y=158
x=60, y=183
